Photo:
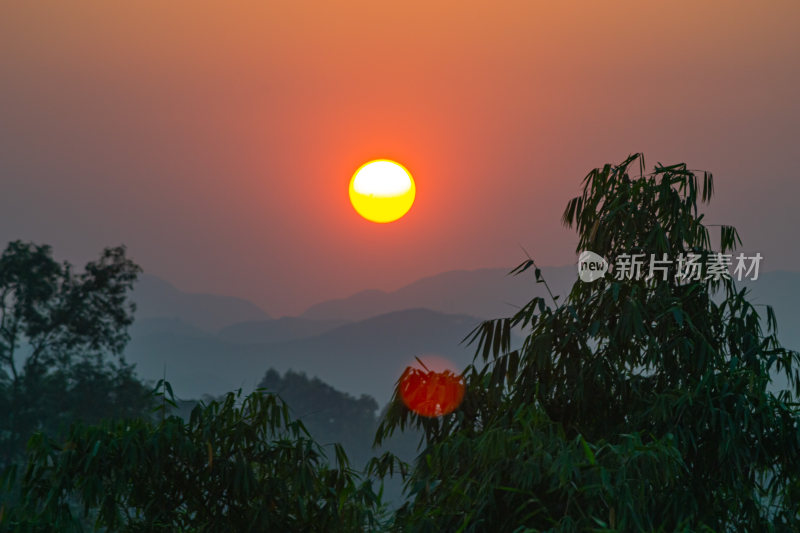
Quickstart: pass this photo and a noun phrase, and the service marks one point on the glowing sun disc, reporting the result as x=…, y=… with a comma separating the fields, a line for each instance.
x=382, y=190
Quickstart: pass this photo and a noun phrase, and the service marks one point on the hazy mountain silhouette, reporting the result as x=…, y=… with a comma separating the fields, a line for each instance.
x=370, y=355
x=168, y=326
x=359, y=344
x=364, y=357
x=156, y=298
x=278, y=330
x=490, y=293
x=486, y=293
x=781, y=290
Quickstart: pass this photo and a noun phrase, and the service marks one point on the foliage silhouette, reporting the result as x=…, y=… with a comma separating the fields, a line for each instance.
x=61, y=339
x=331, y=416
x=237, y=464
x=633, y=405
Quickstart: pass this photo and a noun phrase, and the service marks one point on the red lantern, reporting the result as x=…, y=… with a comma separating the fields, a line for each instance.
x=430, y=393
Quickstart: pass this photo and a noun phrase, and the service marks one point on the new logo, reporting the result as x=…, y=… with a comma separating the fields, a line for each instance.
x=591, y=266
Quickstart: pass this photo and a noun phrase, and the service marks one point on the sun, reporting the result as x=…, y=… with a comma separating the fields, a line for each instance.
x=382, y=190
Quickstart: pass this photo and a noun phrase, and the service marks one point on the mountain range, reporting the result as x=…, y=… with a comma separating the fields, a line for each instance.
x=364, y=357
x=210, y=344
x=157, y=298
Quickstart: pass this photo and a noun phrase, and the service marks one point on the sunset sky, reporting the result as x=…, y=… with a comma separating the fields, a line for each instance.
x=217, y=139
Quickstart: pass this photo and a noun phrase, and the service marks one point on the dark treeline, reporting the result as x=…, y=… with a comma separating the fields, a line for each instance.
x=61, y=338
x=330, y=416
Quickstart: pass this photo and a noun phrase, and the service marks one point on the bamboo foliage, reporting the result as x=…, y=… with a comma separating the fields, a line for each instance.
x=237, y=464
x=630, y=405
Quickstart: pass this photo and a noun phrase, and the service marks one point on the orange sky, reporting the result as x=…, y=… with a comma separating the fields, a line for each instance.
x=217, y=139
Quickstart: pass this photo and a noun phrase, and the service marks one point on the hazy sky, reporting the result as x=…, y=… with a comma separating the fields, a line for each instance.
x=217, y=139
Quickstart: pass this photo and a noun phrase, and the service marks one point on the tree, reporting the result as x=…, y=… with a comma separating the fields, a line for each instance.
x=330, y=415
x=61, y=338
x=237, y=464
x=634, y=404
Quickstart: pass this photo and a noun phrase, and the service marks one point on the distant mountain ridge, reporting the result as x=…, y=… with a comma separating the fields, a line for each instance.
x=359, y=344
x=157, y=298
x=487, y=293
x=277, y=330
x=364, y=357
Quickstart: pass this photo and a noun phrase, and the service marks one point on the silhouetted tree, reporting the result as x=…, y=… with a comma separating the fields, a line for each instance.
x=61, y=338
x=237, y=464
x=635, y=404
x=331, y=416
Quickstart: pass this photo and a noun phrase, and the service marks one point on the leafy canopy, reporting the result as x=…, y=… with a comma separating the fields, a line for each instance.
x=632, y=404
x=61, y=339
x=237, y=464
